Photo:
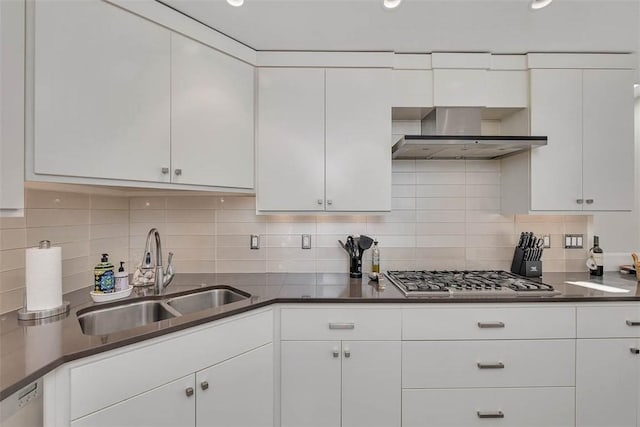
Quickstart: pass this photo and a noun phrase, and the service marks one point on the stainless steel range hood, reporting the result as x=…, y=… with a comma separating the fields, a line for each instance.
x=454, y=133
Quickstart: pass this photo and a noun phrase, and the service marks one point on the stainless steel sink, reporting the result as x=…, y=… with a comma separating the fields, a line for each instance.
x=104, y=321
x=132, y=314
x=204, y=299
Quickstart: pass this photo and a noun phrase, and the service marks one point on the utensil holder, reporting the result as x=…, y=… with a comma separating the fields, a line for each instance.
x=525, y=268
x=355, y=268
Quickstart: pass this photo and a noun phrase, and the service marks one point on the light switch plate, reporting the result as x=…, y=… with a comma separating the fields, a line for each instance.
x=255, y=241
x=547, y=241
x=573, y=241
x=306, y=241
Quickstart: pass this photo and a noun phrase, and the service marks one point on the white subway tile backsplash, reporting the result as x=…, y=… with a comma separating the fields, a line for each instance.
x=440, y=203
x=292, y=228
x=440, y=216
x=391, y=229
x=191, y=215
x=149, y=203
x=11, y=259
x=13, y=238
x=241, y=228
x=248, y=203
x=440, y=178
x=482, y=204
x=341, y=228
x=114, y=216
x=483, y=178
x=402, y=178
x=193, y=202
x=56, y=217
x=440, y=191
x=482, y=165
x=190, y=228
x=435, y=228
x=99, y=202
x=474, y=191
x=398, y=204
x=403, y=191
x=438, y=241
x=440, y=166
x=43, y=199
x=403, y=166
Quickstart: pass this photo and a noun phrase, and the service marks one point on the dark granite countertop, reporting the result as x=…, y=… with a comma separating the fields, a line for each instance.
x=29, y=351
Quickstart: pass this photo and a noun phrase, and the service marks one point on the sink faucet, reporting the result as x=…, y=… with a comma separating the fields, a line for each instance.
x=162, y=278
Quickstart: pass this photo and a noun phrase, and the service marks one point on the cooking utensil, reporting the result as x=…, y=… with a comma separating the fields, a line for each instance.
x=364, y=242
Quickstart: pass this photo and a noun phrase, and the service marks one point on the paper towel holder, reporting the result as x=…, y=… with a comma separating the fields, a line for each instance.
x=24, y=314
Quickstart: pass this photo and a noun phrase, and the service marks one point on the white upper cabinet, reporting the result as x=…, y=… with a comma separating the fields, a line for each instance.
x=121, y=100
x=102, y=100
x=507, y=89
x=358, y=132
x=290, y=167
x=588, y=118
x=607, y=140
x=556, y=111
x=323, y=134
x=412, y=88
x=460, y=88
x=211, y=116
x=12, y=49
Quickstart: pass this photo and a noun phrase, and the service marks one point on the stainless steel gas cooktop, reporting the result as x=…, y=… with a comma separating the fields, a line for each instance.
x=466, y=284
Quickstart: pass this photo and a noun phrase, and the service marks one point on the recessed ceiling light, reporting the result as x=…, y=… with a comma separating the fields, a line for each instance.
x=235, y=3
x=391, y=4
x=539, y=4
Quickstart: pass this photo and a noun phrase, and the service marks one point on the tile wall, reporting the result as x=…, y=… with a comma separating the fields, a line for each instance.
x=446, y=215
x=83, y=225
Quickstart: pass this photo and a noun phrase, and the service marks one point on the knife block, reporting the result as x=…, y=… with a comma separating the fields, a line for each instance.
x=525, y=268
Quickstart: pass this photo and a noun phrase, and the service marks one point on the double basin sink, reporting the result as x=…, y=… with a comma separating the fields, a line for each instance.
x=117, y=317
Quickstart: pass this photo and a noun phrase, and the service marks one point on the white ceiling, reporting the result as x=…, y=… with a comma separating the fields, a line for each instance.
x=498, y=26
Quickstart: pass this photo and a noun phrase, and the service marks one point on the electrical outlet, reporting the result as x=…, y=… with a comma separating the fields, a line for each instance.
x=255, y=241
x=306, y=241
x=546, y=239
x=573, y=241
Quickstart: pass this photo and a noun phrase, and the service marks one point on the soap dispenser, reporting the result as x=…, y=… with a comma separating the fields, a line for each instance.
x=122, y=278
x=104, y=277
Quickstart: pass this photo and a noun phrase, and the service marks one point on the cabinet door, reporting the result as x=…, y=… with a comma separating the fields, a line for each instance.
x=608, y=146
x=371, y=375
x=102, y=92
x=358, y=140
x=556, y=111
x=168, y=405
x=508, y=89
x=237, y=392
x=606, y=382
x=211, y=116
x=310, y=383
x=290, y=165
x=412, y=88
x=459, y=88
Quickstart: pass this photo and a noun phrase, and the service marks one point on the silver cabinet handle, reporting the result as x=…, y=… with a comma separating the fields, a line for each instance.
x=633, y=323
x=165, y=170
x=496, y=414
x=589, y=201
x=329, y=202
x=347, y=353
x=204, y=385
x=495, y=365
x=579, y=201
x=342, y=326
x=634, y=350
x=178, y=172
x=336, y=353
x=189, y=391
x=320, y=201
x=486, y=325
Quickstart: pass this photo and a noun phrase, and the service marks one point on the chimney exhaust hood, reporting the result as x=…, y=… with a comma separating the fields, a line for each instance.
x=454, y=133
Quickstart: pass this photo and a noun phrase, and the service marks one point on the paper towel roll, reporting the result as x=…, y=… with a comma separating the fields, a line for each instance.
x=44, y=278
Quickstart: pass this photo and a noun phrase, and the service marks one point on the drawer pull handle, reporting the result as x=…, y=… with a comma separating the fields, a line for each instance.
x=485, y=325
x=189, y=391
x=496, y=365
x=633, y=323
x=347, y=353
x=496, y=414
x=204, y=385
x=342, y=326
x=336, y=353
x=635, y=350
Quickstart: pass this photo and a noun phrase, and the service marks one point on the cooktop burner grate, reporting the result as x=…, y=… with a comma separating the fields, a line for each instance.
x=467, y=283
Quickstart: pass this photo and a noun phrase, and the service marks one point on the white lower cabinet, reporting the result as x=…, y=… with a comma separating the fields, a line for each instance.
x=607, y=382
x=340, y=383
x=608, y=366
x=533, y=407
x=168, y=405
x=237, y=392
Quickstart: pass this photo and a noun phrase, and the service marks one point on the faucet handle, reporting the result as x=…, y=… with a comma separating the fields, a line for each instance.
x=169, y=272
x=169, y=259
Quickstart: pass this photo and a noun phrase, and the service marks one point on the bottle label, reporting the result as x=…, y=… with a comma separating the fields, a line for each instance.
x=599, y=258
x=107, y=281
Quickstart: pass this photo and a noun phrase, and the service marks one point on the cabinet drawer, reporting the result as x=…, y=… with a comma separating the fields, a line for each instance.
x=610, y=321
x=488, y=323
x=448, y=364
x=498, y=407
x=340, y=324
x=101, y=381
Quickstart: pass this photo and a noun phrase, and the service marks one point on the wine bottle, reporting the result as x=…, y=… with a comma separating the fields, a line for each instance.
x=598, y=256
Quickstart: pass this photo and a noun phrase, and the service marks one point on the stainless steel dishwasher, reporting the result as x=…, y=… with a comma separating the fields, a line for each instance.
x=24, y=407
